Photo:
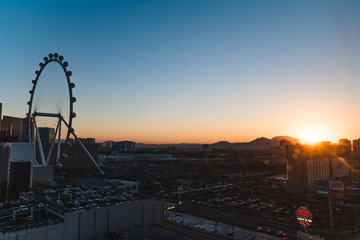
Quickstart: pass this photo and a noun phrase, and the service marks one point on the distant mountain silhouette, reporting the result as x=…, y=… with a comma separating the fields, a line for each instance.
x=176, y=145
x=259, y=143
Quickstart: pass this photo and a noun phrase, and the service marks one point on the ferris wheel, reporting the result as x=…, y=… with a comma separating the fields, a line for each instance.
x=51, y=106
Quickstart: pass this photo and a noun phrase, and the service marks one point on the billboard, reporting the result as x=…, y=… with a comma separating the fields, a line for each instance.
x=336, y=189
x=180, y=188
x=321, y=187
x=304, y=216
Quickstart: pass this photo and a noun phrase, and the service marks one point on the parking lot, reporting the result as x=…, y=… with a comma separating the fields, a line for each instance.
x=18, y=215
x=48, y=207
x=253, y=205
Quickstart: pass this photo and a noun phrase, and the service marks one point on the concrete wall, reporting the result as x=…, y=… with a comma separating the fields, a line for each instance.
x=141, y=212
x=50, y=232
x=117, y=218
x=158, y=211
x=101, y=221
x=87, y=220
x=71, y=222
x=96, y=222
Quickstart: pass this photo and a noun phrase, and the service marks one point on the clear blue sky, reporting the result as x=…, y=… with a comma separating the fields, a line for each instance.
x=192, y=71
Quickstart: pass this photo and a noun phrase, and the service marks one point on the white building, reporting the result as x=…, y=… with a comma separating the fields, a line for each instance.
x=95, y=222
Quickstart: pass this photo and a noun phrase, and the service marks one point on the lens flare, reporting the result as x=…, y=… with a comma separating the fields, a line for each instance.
x=313, y=134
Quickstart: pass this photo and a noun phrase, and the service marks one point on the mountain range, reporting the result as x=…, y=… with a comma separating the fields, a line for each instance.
x=259, y=143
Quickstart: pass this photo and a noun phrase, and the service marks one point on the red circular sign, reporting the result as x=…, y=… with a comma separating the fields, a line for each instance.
x=304, y=216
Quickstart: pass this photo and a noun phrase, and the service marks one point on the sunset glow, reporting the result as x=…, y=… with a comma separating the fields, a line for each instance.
x=207, y=119
x=311, y=139
x=235, y=72
x=313, y=134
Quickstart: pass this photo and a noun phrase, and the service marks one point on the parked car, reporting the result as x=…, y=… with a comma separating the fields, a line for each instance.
x=30, y=218
x=23, y=208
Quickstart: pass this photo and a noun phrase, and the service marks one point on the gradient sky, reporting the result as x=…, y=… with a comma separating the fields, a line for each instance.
x=192, y=71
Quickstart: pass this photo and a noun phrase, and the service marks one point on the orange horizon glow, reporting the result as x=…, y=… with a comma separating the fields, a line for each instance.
x=304, y=139
x=167, y=130
x=314, y=133
x=241, y=71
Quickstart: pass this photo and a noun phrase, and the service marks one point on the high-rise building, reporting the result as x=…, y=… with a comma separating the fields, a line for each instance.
x=356, y=149
x=46, y=134
x=339, y=167
x=344, y=148
x=318, y=169
x=296, y=167
x=19, y=177
x=309, y=163
x=16, y=160
x=13, y=129
x=4, y=162
x=87, y=140
x=0, y=115
x=123, y=146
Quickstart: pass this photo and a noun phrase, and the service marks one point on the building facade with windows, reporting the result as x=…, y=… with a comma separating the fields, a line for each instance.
x=309, y=163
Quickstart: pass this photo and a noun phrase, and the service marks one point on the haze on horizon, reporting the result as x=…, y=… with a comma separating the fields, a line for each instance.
x=192, y=71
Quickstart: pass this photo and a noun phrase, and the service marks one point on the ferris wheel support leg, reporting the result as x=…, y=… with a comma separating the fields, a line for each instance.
x=58, y=143
x=84, y=148
x=52, y=144
x=39, y=143
x=87, y=152
x=34, y=141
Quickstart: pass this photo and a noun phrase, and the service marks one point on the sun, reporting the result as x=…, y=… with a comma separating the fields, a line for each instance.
x=312, y=139
x=313, y=134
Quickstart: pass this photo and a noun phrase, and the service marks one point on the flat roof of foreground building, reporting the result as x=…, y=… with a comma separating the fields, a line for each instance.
x=153, y=233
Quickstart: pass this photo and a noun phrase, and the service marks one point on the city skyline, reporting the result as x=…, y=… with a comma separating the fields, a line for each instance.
x=194, y=72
